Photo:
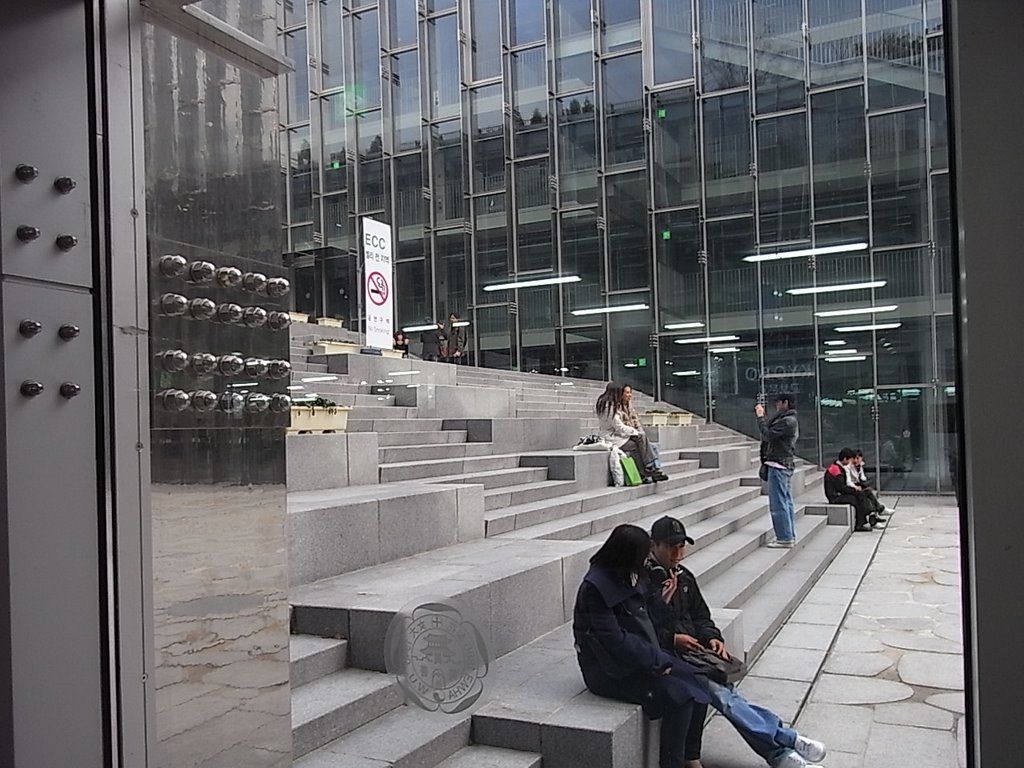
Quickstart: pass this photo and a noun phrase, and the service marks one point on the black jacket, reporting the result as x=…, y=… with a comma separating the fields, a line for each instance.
x=687, y=613
x=836, y=483
x=432, y=341
x=618, y=652
x=778, y=437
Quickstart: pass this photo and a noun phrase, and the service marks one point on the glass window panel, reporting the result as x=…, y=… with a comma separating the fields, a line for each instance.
x=337, y=224
x=301, y=172
x=452, y=254
x=332, y=117
x=836, y=41
x=683, y=375
x=677, y=247
x=783, y=179
x=895, y=50
x=294, y=12
x=629, y=240
x=490, y=229
x=840, y=153
x=405, y=96
x=538, y=309
x=338, y=281
x=937, y=103
x=624, y=110
x=444, y=66
x=620, y=24
x=673, y=40
x=908, y=276
x=724, y=25
x=371, y=165
x=366, y=86
x=412, y=294
x=449, y=203
x=435, y=6
x=779, y=55
x=676, y=162
x=585, y=353
x=933, y=15
x=488, y=132
x=904, y=354
x=495, y=329
x=727, y=154
x=529, y=102
x=577, y=149
x=486, y=45
x=847, y=404
x=526, y=21
x=946, y=346
x=581, y=255
x=574, y=45
x=410, y=207
x=839, y=232
x=356, y=4
x=297, y=82
x=404, y=21
x=942, y=235
x=332, y=63
x=533, y=216
x=899, y=178
x=630, y=335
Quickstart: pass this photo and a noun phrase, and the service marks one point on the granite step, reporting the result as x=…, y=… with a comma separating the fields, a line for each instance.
x=500, y=478
x=405, y=439
x=442, y=468
x=434, y=452
x=527, y=493
x=359, y=423
x=314, y=657
x=382, y=412
x=491, y=757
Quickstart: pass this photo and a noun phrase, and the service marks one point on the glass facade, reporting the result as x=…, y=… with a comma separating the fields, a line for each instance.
x=668, y=157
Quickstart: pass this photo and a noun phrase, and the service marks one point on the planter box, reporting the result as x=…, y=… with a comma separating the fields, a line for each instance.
x=330, y=322
x=679, y=419
x=306, y=419
x=654, y=419
x=299, y=317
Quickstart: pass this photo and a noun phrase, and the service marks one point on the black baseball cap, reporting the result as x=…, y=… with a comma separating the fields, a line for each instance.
x=668, y=530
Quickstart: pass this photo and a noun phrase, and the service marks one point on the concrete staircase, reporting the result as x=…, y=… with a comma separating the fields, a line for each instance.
x=495, y=512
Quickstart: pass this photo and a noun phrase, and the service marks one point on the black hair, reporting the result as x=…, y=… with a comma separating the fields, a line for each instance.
x=789, y=397
x=611, y=399
x=858, y=453
x=625, y=551
x=846, y=453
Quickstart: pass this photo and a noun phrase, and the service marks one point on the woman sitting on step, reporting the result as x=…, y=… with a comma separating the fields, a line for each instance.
x=621, y=427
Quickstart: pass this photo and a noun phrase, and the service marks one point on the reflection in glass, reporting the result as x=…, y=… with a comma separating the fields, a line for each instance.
x=585, y=352
x=410, y=207
x=676, y=162
x=297, y=82
x=529, y=102
x=526, y=21
x=727, y=154
x=895, y=51
x=942, y=236
x=632, y=358
x=495, y=327
x=581, y=255
x=621, y=24
x=677, y=246
x=365, y=90
x=533, y=217
x=490, y=229
x=783, y=179
x=446, y=141
x=724, y=25
x=444, y=95
x=899, y=177
x=403, y=23
x=837, y=135
x=488, y=132
x=937, y=103
x=624, y=110
x=332, y=64
x=574, y=45
x=301, y=173
x=577, y=149
x=294, y=12
x=836, y=41
x=486, y=43
x=332, y=120
x=337, y=225
x=778, y=55
x=412, y=303
x=451, y=254
x=537, y=311
x=673, y=40
x=405, y=101
x=629, y=243
x=371, y=164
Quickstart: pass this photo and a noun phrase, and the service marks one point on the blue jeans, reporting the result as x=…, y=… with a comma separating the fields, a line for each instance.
x=656, y=464
x=780, y=502
x=762, y=729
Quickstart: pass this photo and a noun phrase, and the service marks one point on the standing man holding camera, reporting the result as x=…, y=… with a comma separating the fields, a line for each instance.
x=778, y=451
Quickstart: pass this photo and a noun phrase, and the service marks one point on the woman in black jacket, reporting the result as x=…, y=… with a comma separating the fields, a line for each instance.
x=618, y=650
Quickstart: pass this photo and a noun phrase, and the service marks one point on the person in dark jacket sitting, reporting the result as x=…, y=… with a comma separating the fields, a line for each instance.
x=778, y=452
x=839, y=491
x=684, y=624
x=618, y=650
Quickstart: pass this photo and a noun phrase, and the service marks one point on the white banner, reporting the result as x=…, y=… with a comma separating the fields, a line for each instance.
x=379, y=284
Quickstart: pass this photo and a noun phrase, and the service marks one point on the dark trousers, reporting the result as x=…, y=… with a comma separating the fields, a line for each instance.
x=639, y=447
x=860, y=507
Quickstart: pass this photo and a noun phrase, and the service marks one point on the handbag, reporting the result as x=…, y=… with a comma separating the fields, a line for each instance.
x=763, y=473
x=709, y=663
x=630, y=470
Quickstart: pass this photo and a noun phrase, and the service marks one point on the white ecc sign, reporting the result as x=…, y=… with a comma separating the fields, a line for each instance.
x=379, y=284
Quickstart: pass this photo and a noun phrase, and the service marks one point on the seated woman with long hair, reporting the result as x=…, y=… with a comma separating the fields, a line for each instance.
x=618, y=650
x=621, y=427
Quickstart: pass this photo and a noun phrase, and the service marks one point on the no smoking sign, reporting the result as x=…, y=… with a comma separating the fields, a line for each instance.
x=377, y=288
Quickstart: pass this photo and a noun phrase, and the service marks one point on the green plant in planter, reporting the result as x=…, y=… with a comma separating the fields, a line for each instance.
x=317, y=402
x=655, y=410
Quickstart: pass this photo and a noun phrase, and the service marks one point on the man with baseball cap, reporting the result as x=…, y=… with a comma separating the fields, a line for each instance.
x=683, y=622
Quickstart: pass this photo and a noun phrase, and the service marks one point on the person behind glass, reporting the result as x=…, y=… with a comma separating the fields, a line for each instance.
x=778, y=451
x=432, y=340
x=617, y=648
x=401, y=344
x=456, y=340
x=621, y=427
x=683, y=623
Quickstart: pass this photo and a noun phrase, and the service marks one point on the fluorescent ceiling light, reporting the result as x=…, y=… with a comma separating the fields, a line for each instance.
x=609, y=310
x=686, y=373
x=835, y=288
x=244, y=384
x=856, y=359
x=835, y=343
x=824, y=251
x=875, y=327
x=707, y=340
x=414, y=328
x=832, y=352
x=533, y=283
x=311, y=379
x=683, y=326
x=723, y=350
x=460, y=324
x=295, y=387
x=562, y=370
x=403, y=373
x=859, y=311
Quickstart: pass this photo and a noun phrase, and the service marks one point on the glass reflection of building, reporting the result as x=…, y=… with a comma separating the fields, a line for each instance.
x=648, y=151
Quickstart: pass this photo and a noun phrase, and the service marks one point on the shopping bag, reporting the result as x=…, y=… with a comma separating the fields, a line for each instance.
x=615, y=457
x=631, y=472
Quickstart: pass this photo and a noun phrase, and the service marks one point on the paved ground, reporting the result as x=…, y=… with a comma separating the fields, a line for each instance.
x=872, y=661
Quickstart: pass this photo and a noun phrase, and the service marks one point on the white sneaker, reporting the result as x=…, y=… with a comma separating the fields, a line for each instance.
x=793, y=760
x=810, y=749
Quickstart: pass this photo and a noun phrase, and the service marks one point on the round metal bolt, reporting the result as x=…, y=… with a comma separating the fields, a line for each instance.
x=254, y=281
x=254, y=317
x=69, y=390
x=31, y=388
x=229, y=277
x=29, y=328
x=230, y=314
x=26, y=173
x=203, y=363
x=278, y=321
x=257, y=402
x=173, y=304
x=278, y=287
x=280, y=369
x=256, y=367
x=203, y=400
x=172, y=265
x=66, y=242
x=64, y=184
x=202, y=309
x=201, y=271
x=231, y=402
x=174, y=400
x=27, y=233
x=67, y=332
x=174, y=360
x=280, y=403
x=230, y=365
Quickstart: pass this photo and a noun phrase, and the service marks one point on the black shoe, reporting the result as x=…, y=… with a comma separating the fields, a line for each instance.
x=646, y=481
x=659, y=476
x=863, y=528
